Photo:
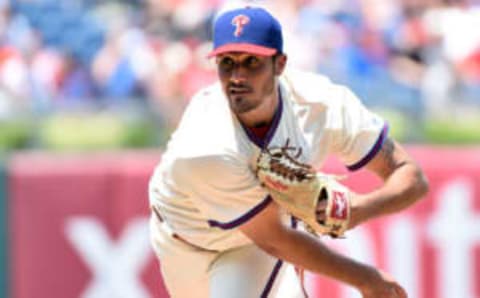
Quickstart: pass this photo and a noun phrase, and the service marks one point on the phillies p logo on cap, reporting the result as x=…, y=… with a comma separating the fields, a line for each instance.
x=250, y=30
x=239, y=22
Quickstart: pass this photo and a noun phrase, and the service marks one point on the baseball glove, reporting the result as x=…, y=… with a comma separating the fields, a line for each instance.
x=299, y=189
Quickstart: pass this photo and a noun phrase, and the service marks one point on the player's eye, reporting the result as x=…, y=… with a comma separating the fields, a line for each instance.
x=251, y=63
x=226, y=64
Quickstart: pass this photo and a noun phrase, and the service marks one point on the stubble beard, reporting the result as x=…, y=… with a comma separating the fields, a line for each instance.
x=241, y=104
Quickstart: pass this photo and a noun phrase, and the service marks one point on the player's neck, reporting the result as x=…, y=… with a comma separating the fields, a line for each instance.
x=263, y=114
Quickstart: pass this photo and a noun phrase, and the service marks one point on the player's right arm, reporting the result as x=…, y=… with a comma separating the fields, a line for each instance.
x=276, y=238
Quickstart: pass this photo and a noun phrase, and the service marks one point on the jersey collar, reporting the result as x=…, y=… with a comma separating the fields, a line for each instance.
x=263, y=143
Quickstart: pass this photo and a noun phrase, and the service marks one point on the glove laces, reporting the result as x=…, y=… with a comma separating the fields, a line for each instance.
x=284, y=161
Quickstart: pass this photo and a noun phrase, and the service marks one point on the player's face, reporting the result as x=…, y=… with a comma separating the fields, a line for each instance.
x=247, y=79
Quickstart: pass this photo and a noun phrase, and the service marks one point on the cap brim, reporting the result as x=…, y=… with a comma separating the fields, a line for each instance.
x=244, y=48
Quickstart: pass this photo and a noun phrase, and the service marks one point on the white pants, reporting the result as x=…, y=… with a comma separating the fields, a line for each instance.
x=244, y=272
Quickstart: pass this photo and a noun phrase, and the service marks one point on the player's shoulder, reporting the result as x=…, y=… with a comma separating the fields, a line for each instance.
x=206, y=106
x=207, y=127
x=208, y=95
x=204, y=160
x=313, y=88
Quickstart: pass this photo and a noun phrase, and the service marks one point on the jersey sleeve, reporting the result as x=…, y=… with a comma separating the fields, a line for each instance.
x=223, y=188
x=358, y=134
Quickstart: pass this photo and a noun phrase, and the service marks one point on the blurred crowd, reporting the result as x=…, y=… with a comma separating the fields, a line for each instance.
x=420, y=57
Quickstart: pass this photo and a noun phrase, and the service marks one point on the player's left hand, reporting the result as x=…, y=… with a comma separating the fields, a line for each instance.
x=304, y=192
x=321, y=211
x=322, y=207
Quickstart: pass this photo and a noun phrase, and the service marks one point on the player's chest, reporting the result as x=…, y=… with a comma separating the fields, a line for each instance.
x=297, y=131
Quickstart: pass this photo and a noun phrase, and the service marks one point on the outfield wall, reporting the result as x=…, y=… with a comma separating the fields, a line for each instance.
x=78, y=228
x=3, y=233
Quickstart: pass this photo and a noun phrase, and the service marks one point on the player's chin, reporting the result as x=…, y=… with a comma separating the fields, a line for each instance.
x=240, y=104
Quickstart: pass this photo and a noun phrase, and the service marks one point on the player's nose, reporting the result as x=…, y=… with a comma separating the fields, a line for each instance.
x=238, y=75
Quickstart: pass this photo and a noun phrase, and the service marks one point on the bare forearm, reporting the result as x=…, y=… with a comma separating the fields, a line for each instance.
x=401, y=189
x=311, y=254
x=271, y=234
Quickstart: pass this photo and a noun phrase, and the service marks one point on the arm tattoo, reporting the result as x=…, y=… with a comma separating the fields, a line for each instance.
x=389, y=164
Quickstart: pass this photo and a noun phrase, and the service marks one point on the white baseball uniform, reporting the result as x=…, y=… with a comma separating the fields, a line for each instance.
x=204, y=187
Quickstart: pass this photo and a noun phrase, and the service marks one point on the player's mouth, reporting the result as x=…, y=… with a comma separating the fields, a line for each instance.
x=235, y=90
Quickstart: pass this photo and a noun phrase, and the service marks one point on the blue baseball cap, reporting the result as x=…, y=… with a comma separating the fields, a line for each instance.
x=251, y=30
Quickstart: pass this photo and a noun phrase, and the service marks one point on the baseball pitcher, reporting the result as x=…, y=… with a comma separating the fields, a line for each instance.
x=239, y=202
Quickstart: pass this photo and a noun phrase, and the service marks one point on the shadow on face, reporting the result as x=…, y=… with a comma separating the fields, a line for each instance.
x=248, y=79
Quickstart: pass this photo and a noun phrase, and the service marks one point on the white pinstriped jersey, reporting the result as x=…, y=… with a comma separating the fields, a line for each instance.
x=205, y=184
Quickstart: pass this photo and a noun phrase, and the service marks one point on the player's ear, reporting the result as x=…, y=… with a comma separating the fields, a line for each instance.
x=280, y=62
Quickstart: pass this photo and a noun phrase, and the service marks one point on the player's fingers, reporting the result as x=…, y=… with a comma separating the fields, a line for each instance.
x=321, y=206
x=396, y=291
x=401, y=293
x=321, y=218
x=320, y=211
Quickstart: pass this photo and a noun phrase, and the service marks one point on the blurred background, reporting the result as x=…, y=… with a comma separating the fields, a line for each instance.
x=117, y=74
x=90, y=91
